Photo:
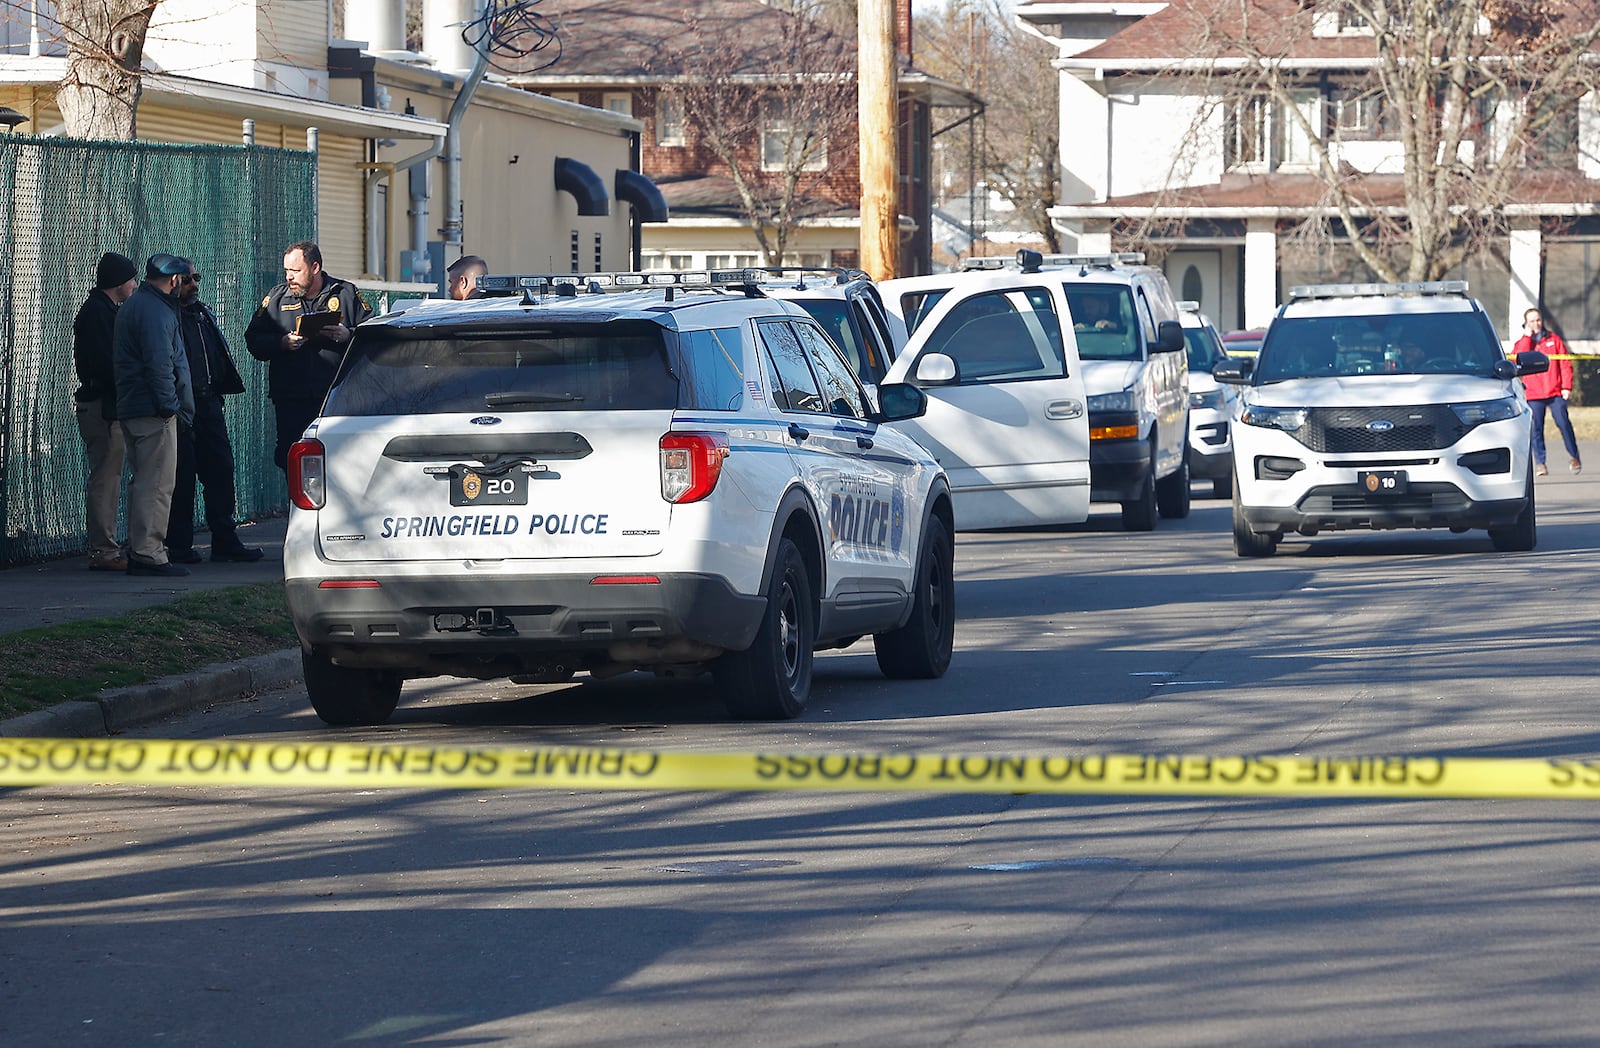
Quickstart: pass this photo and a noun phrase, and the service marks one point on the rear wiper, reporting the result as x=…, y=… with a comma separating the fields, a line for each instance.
x=504, y=400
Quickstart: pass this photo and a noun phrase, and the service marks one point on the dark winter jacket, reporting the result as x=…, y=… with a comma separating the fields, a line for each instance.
x=151, y=365
x=92, y=332
x=305, y=373
x=211, y=367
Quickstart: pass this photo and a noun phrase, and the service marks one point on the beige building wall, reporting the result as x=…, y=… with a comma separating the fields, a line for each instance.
x=512, y=213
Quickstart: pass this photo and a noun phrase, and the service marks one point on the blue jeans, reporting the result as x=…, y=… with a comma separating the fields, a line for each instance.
x=1558, y=410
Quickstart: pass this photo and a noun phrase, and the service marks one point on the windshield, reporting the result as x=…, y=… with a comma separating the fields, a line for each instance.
x=589, y=367
x=1203, y=349
x=1102, y=317
x=1390, y=344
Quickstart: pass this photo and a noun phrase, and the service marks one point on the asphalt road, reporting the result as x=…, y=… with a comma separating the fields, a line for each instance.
x=205, y=916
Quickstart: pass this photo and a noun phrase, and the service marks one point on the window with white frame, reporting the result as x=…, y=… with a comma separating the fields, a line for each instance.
x=1360, y=118
x=1263, y=135
x=669, y=119
x=786, y=141
x=618, y=102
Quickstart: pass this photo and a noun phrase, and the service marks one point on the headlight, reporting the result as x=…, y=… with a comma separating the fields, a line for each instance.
x=1286, y=419
x=1123, y=401
x=1482, y=411
x=1208, y=399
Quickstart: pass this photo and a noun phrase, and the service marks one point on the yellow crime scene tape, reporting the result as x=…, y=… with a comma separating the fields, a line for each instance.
x=40, y=762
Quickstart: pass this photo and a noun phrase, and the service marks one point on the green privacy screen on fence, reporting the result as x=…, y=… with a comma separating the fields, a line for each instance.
x=63, y=202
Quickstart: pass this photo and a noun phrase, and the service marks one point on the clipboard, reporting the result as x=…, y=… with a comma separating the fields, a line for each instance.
x=313, y=326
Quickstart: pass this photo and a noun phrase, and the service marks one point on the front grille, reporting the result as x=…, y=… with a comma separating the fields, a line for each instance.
x=1426, y=500
x=1342, y=431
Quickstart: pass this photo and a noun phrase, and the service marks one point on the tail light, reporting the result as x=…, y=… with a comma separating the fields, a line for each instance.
x=691, y=464
x=308, y=486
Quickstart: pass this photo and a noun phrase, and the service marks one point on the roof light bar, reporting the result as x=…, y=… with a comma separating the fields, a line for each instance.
x=594, y=283
x=1112, y=258
x=1372, y=290
x=1188, y=305
x=983, y=263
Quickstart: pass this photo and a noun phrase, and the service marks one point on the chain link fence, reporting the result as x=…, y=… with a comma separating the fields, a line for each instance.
x=63, y=202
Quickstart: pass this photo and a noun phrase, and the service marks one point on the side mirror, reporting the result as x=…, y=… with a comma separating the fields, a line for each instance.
x=900, y=400
x=1532, y=363
x=1169, y=337
x=1235, y=371
x=936, y=369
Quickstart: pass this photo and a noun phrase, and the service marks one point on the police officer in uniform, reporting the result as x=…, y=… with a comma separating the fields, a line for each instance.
x=205, y=451
x=301, y=331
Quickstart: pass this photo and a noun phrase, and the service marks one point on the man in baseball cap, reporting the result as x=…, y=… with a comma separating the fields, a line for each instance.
x=153, y=399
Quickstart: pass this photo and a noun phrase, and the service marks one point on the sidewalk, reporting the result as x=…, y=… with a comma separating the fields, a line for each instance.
x=62, y=591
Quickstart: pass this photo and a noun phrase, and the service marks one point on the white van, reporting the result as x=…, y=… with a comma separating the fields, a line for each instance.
x=1007, y=412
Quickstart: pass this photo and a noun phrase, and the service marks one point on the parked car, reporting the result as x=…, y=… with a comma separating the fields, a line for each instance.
x=850, y=309
x=604, y=473
x=1382, y=406
x=1243, y=343
x=1211, y=403
x=1007, y=413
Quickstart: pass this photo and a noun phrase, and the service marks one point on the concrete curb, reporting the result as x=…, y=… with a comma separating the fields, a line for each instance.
x=117, y=709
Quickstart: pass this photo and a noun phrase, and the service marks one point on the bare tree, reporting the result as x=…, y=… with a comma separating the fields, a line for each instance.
x=980, y=45
x=99, y=93
x=1479, y=96
x=772, y=96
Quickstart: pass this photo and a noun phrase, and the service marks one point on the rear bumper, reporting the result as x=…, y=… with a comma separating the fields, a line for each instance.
x=420, y=620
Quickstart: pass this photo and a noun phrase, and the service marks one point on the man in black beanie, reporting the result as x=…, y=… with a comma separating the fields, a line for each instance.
x=96, y=405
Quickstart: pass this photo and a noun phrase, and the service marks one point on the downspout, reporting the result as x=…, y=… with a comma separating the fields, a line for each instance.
x=451, y=232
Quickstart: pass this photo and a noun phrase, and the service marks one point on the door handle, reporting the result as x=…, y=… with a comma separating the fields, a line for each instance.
x=863, y=442
x=798, y=432
x=1063, y=409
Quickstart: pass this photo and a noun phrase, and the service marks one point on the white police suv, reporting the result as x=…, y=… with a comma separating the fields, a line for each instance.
x=1381, y=406
x=605, y=473
x=1211, y=403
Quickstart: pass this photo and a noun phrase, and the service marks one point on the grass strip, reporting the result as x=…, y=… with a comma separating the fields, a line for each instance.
x=75, y=660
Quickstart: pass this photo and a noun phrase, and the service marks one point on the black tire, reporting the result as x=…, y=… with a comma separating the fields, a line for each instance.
x=347, y=697
x=1172, y=491
x=1248, y=543
x=1140, y=514
x=1222, y=487
x=920, y=650
x=771, y=680
x=1523, y=535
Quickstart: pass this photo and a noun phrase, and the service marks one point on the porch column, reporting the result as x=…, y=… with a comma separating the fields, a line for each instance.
x=1260, y=272
x=1527, y=243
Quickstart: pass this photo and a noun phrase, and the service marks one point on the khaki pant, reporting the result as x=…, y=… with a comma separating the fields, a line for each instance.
x=153, y=451
x=106, y=452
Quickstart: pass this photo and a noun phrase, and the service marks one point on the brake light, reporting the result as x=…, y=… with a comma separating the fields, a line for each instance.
x=307, y=466
x=691, y=464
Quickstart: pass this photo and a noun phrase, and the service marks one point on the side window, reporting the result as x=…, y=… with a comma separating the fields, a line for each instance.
x=1145, y=318
x=872, y=336
x=796, y=387
x=713, y=379
x=916, y=305
x=1000, y=336
x=840, y=391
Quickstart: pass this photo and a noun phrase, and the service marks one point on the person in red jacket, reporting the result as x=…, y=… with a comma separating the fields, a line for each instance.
x=1549, y=390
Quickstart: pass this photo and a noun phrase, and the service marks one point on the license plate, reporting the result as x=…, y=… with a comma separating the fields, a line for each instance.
x=473, y=486
x=1383, y=481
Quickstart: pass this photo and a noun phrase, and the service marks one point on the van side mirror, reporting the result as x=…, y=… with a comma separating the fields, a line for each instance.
x=1169, y=337
x=1532, y=362
x=936, y=369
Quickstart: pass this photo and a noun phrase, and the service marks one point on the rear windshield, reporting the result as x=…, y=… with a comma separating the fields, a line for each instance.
x=1392, y=344
x=589, y=367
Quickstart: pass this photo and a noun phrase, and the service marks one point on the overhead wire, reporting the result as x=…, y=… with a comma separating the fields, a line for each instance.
x=508, y=34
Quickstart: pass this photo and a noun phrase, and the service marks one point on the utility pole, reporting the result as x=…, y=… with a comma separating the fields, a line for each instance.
x=877, y=86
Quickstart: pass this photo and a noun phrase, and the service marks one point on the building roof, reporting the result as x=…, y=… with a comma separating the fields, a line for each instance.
x=1277, y=194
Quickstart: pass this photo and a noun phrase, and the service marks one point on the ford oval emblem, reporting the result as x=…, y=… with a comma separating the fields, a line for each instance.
x=1380, y=426
x=485, y=420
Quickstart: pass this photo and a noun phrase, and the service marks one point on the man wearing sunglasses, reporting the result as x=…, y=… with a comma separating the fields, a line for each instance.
x=205, y=451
